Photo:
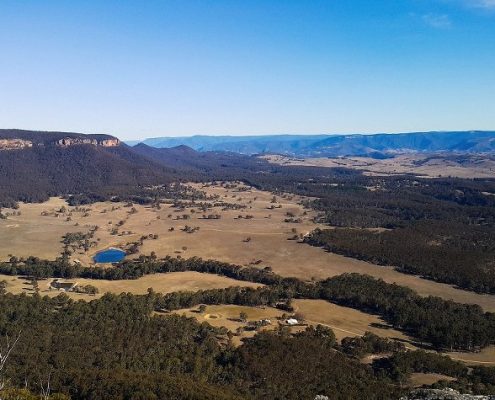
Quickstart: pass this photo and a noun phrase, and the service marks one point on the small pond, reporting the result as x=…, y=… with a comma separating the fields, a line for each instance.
x=109, y=256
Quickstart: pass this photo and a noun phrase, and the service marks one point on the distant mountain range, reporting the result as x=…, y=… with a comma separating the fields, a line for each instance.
x=378, y=145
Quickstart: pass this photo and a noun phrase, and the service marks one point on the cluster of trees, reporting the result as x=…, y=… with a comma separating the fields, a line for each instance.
x=443, y=251
x=369, y=343
x=444, y=324
x=399, y=366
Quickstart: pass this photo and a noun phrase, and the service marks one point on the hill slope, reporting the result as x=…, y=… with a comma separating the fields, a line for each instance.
x=188, y=160
x=35, y=165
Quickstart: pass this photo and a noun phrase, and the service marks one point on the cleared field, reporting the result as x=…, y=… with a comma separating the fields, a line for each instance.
x=228, y=316
x=255, y=234
x=484, y=357
x=32, y=234
x=419, y=379
x=343, y=320
x=161, y=283
x=425, y=165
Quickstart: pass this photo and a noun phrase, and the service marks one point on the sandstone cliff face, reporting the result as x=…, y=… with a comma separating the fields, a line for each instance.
x=14, y=144
x=109, y=142
x=18, y=144
x=68, y=141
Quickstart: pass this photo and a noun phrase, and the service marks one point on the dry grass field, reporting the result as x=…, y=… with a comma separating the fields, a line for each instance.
x=259, y=236
x=349, y=322
x=485, y=357
x=161, y=283
x=343, y=320
x=419, y=379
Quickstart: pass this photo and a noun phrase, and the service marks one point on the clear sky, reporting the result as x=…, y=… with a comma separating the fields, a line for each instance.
x=140, y=69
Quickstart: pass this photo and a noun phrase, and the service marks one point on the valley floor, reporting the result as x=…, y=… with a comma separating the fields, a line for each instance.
x=260, y=240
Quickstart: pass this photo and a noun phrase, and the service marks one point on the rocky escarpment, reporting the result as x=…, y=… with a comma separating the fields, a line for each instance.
x=74, y=141
x=443, y=394
x=14, y=139
x=14, y=144
x=19, y=144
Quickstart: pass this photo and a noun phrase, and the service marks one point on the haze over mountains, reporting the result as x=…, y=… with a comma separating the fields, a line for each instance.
x=379, y=145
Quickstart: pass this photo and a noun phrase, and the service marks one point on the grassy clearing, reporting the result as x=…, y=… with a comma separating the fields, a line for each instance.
x=161, y=283
x=228, y=316
x=343, y=320
x=419, y=379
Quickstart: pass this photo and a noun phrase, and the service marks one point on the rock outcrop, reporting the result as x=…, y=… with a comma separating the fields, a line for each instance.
x=109, y=142
x=14, y=144
x=74, y=141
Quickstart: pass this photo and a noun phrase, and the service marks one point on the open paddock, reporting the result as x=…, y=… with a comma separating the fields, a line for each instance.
x=344, y=321
x=161, y=283
x=419, y=379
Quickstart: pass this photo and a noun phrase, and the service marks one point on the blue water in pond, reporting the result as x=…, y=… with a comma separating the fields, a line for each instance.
x=109, y=256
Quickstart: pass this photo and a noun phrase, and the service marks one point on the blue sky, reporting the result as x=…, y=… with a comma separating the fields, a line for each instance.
x=156, y=68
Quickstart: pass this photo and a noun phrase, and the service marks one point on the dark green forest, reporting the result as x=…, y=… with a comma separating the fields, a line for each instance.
x=446, y=252
x=115, y=348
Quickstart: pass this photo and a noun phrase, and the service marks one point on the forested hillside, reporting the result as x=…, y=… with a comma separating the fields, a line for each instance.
x=62, y=164
x=114, y=349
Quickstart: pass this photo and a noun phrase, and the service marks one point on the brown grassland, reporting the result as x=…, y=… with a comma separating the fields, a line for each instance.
x=161, y=283
x=224, y=239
